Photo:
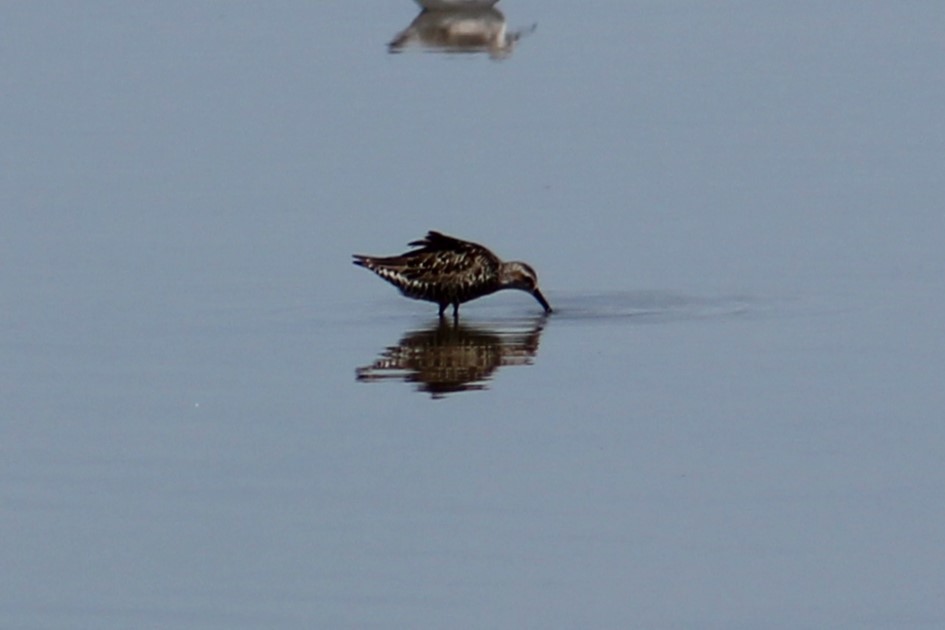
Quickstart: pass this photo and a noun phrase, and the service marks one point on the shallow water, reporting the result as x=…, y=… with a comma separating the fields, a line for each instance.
x=211, y=419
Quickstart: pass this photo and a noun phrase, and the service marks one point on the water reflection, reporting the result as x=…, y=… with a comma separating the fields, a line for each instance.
x=445, y=358
x=459, y=27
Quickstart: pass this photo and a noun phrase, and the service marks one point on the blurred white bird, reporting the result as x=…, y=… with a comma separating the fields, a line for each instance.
x=453, y=5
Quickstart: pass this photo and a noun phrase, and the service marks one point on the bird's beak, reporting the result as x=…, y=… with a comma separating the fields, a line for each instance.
x=541, y=300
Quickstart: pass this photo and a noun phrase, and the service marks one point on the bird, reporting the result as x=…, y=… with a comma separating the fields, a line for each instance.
x=449, y=271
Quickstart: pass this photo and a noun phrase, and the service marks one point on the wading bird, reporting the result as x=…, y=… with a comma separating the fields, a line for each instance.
x=448, y=270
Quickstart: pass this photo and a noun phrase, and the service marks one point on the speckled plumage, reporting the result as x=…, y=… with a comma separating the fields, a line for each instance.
x=447, y=270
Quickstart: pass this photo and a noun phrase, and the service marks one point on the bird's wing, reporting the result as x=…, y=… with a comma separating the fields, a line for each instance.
x=440, y=258
x=437, y=240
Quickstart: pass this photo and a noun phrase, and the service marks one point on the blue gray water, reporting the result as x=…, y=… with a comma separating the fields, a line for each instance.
x=210, y=419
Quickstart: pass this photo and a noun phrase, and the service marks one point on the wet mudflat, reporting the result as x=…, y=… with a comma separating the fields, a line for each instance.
x=211, y=419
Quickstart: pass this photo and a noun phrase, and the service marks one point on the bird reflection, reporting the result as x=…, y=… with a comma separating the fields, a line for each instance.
x=459, y=28
x=448, y=358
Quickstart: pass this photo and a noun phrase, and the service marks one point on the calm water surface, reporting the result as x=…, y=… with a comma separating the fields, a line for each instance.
x=211, y=419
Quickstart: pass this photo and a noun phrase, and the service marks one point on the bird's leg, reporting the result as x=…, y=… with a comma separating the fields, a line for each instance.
x=442, y=309
x=455, y=312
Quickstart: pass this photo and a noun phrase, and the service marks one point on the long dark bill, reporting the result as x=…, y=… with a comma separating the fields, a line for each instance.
x=541, y=300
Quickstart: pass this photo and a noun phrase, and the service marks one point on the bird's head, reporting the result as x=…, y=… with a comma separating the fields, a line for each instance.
x=518, y=275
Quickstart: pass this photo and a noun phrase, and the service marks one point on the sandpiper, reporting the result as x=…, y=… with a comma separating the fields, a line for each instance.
x=447, y=270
